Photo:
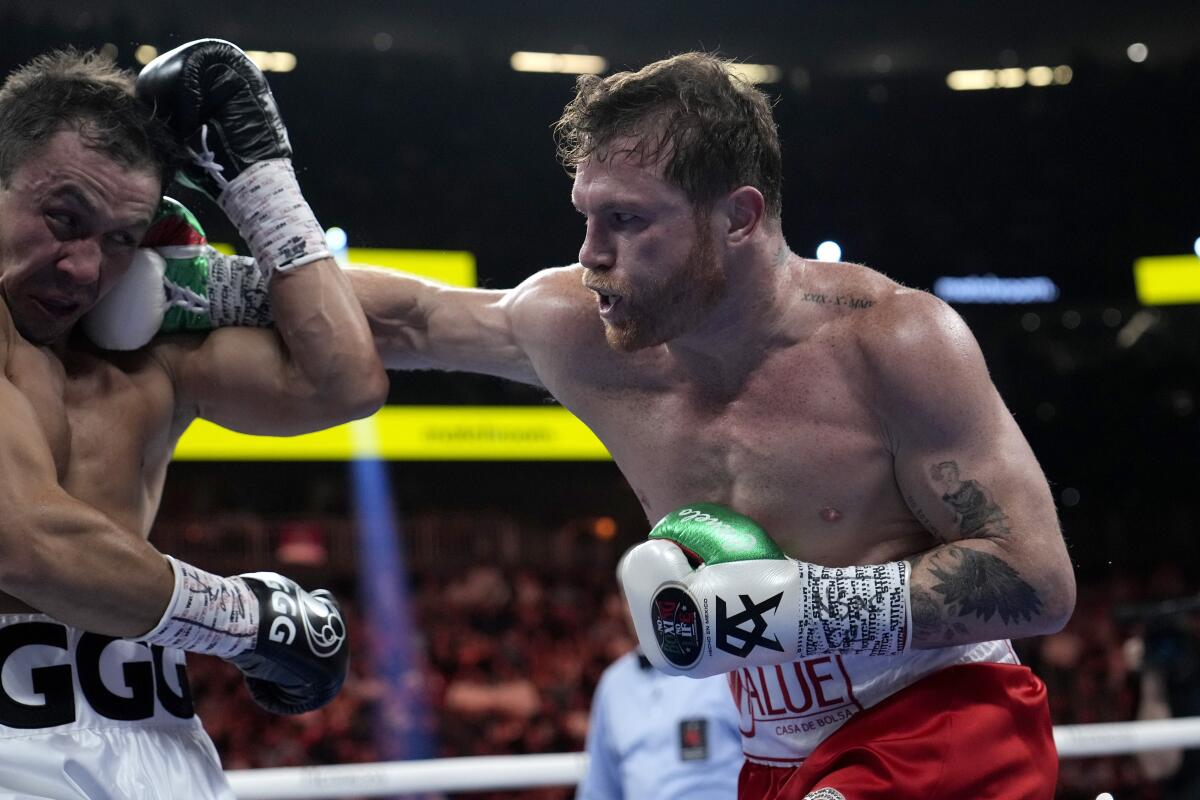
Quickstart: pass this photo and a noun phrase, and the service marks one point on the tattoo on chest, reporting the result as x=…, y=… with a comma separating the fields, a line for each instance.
x=975, y=512
x=970, y=583
x=849, y=301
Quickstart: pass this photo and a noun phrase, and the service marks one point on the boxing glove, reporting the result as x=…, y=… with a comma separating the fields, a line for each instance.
x=219, y=105
x=711, y=592
x=290, y=644
x=177, y=283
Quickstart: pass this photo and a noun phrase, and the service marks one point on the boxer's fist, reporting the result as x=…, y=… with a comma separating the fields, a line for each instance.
x=300, y=656
x=177, y=283
x=711, y=592
x=218, y=103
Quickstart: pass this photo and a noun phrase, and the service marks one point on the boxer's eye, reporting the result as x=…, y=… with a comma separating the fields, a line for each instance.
x=61, y=220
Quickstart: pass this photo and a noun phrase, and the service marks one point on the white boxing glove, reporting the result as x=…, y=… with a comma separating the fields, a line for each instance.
x=129, y=315
x=711, y=592
x=177, y=283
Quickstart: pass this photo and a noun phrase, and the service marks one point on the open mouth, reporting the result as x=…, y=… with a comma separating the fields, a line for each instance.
x=607, y=301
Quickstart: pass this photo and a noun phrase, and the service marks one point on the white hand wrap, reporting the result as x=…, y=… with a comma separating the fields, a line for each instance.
x=207, y=614
x=266, y=205
x=721, y=617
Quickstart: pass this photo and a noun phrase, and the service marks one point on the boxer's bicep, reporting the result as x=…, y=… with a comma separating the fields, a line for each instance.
x=969, y=476
x=418, y=324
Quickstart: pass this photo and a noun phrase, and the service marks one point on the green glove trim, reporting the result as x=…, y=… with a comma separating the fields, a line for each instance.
x=716, y=534
x=178, y=237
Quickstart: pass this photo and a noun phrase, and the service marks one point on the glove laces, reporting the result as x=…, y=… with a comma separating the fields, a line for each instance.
x=185, y=298
x=206, y=160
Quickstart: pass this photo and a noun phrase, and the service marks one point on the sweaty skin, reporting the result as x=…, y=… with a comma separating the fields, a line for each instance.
x=781, y=387
x=85, y=435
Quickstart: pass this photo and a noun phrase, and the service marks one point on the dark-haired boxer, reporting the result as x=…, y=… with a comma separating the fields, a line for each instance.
x=87, y=434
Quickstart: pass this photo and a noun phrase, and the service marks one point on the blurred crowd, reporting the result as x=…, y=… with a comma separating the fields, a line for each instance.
x=504, y=660
x=506, y=663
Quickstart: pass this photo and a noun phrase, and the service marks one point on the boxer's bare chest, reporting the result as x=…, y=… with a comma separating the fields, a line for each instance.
x=798, y=446
x=108, y=427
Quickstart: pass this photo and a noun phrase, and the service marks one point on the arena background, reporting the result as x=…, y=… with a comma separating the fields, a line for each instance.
x=481, y=590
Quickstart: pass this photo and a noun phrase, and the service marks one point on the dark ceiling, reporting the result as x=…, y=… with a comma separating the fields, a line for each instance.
x=839, y=38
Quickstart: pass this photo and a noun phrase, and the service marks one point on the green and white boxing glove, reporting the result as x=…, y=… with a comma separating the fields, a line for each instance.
x=178, y=283
x=711, y=592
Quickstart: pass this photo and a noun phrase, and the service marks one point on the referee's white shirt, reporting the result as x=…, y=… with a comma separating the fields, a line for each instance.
x=657, y=737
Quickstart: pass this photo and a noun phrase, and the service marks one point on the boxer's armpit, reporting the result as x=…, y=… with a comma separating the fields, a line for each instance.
x=956, y=589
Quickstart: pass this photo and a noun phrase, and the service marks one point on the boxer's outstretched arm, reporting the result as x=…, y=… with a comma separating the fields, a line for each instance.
x=316, y=367
x=59, y=555
x=970, y=477
x=419, y=324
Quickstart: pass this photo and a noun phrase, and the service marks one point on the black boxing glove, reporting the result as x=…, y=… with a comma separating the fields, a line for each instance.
x=300, y=658
x=290, y=644
x=219, y=105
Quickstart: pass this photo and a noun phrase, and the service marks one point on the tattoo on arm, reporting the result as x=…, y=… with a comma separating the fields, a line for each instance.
x=977, y=515
x=970, y=583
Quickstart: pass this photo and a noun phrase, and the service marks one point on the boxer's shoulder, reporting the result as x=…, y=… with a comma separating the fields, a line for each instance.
x=552, y=311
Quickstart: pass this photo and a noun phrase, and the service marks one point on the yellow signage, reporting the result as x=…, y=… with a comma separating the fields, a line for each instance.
x=1167, y=280
x=453, y=267
x=413, y=433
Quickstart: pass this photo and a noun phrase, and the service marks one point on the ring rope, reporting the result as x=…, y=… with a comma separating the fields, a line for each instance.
x=482, y=773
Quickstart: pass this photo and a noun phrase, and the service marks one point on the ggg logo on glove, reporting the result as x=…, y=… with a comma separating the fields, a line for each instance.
x=323, y=625
x=677, y=626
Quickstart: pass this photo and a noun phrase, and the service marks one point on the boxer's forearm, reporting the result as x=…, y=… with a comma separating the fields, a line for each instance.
x=327, y=342
x=392, y=303
x=977, y=590
x=419, y=324
x=74, y=564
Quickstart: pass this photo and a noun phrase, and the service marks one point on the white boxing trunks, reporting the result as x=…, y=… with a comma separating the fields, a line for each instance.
x=787, y=710
x=89, y=717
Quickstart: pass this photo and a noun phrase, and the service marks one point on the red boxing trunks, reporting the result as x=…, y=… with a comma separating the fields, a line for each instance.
x=970, y=731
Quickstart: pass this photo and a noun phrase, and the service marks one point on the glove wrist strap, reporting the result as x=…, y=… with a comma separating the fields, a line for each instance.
x=207, y=614
x=854, y=610
x=266, y=205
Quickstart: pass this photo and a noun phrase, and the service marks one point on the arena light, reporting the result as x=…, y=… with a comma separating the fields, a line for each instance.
x=829, y=251
x=145, y=53
x=336, y=238
x=413, y=433
x=967, y=80
x=995, y=289
x=1012, y=78
x=757, y=73
x=272, y=60
x=568, y=63
x=1039, y=76
x=1167, y=280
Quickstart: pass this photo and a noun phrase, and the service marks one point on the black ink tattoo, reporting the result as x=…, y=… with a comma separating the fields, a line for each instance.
x=983, y=585
x=923, y=518
x=837, y=300
x=977, y=515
